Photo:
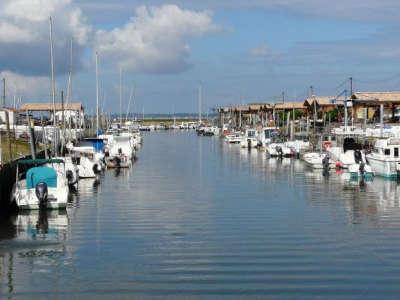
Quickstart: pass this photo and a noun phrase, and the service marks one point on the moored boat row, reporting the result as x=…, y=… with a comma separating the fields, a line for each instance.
x=45, y=183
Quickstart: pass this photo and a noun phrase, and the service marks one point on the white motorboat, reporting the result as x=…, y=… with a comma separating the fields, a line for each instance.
x=210, y=130
x=361, y=170
x=250, y=139
x=319, y=160
x=298, y=146
x=385, y=158
x=71, y=170
x=120, y=152
x=234, y=138
x=42, y=187
x=266, y=135
x=278, y=150
x=88, y=161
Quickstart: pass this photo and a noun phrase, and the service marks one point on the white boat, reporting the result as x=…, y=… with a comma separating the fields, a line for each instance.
x=361, y=170
x=42, y=187
x=319, y=160
x=250, y=139
x=266, y=135
x=209, y=130
x=87, y=160
x=298, y=146
x=234, y=138
x=385, y=159
x=71, y=170
x=120, y=152
x=278, y=150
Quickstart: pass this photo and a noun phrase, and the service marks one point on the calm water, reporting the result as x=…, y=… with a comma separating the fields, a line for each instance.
x=196, y=218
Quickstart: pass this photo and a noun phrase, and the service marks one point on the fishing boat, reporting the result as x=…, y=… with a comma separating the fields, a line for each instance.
x=384, y=159
x=250, y=139
x=41, y=187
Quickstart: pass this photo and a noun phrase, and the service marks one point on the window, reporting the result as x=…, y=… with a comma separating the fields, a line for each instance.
x=396, y=152
x=387, y=152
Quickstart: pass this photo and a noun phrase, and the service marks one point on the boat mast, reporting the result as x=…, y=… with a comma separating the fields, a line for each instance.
x=97, y=93
x=69, y=91
x=200, y=96
x=53, y=87
x=120, y=96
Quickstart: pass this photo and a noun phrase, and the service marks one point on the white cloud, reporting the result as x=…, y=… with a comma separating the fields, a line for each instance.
x=24, y=34
x=156, y=39
x=26, y=86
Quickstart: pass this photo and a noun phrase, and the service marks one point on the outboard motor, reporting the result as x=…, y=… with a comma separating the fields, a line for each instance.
x=118, y=161
x=357, y=156
x=42, y=193
x=249, y=143
x=70, y=177
x=279, y=151
x=325, y=165
x=119, y=151
x=96, y=169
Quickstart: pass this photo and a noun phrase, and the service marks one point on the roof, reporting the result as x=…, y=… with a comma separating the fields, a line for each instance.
x=320, y=100
x=381, y=97
x=49, y=106
x=290, y=105
x=39, y=161
x=8, y=109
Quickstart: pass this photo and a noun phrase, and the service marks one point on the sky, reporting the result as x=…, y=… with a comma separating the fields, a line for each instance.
x=238, y=51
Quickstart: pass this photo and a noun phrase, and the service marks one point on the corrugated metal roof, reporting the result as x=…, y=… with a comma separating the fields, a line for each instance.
x=49, y=106
x=378, y=96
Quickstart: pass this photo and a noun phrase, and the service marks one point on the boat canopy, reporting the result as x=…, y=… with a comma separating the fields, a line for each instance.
x=97, y=143
x=41, y=174
x=40, y=161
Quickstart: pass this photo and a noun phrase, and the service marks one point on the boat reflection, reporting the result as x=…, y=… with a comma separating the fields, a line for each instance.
x=32, y=242
x=42, y=225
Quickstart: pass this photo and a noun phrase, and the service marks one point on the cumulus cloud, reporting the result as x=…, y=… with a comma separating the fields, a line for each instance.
x=24, y=34
x=27, y=86
x=156, y=39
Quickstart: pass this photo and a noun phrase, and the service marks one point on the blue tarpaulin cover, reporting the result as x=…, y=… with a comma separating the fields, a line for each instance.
x=41, y=174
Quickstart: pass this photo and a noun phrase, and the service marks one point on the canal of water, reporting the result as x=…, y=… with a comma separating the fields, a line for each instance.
x=196, y=218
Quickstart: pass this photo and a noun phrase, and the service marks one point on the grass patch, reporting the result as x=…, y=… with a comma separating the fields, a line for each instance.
x=18, y=148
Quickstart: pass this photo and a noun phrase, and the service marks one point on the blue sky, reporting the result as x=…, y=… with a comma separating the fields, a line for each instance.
x=238, y=52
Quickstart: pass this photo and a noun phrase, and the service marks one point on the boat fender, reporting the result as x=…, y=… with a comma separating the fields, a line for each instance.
x=41, y=191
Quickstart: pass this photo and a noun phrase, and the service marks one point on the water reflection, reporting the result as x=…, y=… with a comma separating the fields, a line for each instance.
x=196, y=218
x=32, y=241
